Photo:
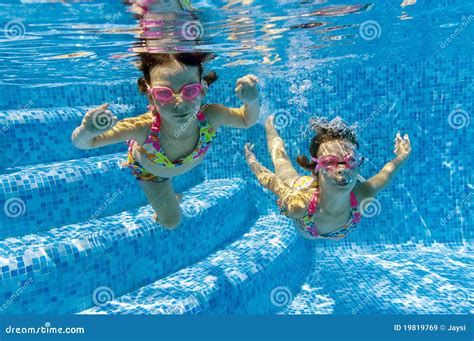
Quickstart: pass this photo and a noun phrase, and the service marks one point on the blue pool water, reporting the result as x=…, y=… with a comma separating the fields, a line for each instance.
x=76, y=230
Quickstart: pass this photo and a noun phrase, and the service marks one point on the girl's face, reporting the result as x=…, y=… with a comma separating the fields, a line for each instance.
x=174, y=76
x=339, y=176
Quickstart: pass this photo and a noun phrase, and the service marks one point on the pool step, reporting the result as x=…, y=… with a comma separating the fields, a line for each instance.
x=239, y=278
x=58, y=271
x=44, y=135
x=40, y=197
x=386, y=279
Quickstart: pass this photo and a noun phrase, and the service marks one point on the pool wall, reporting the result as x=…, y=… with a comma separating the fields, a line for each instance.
x=56, y=241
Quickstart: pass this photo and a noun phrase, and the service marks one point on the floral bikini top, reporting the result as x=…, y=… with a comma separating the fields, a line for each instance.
x=206, y=135
x=307, y=223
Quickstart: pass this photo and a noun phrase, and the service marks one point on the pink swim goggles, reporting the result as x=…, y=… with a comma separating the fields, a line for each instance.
x=164, y=94
x=330, y=162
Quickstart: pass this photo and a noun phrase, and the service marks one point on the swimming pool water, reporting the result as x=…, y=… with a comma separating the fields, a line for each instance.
x=77, y=234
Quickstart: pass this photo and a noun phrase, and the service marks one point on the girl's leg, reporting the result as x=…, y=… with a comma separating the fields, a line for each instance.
x=164, y=202
x=283, y=167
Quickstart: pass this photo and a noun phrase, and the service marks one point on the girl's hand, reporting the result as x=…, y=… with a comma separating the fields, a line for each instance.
x=246, y=88
x=402, y=147
x=99, y=120
x=249, y=151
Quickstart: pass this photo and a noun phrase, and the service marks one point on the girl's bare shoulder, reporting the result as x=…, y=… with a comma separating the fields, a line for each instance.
x=141, y=125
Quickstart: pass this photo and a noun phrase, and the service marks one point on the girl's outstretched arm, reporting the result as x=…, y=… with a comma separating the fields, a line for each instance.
x=100, y=128
x=292, y=199
x=243, y=117
x=375, y=184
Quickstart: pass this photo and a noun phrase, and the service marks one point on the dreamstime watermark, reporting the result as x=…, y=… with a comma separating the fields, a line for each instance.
x=281, y=119
x=110, y=22
x=291, y=22
x=177, y=133
x=10, y=122
x=26, y=106
x=110, y=199
x=14, y=30
x=370, y=30
x=14, y=207
x=378, y=109
x=16, y=294
x=364, y=302
x=102, y=295
x=280, y=296
x=459, y=296
x=457, y=210
x=192, y=30
x=192, y=209
x=370, y=207
x=458, y=119
x=103, y=119
x=466, y=21
x=7, y=126
x=46, y=329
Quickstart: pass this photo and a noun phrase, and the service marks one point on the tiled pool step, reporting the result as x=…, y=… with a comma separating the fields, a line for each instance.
x=224, y=282
x=34, y=136
x=58, y=271
x=40, y=197
x=387, y=279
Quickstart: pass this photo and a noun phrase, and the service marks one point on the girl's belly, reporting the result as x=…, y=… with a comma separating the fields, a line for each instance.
x=161, y=170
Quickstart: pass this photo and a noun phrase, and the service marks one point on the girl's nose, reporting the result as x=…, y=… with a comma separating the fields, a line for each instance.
x=341, y=169
x=178, y=99
x=179, y=105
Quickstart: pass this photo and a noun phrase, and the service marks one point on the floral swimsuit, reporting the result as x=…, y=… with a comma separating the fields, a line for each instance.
x=152, y=143
x=307, y=224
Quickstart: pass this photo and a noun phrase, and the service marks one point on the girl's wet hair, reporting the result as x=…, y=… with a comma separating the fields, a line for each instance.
x=147, y=61
x=326, y=131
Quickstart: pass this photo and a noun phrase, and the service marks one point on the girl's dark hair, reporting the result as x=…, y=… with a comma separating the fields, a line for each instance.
x=148, y=61
x=326, y=131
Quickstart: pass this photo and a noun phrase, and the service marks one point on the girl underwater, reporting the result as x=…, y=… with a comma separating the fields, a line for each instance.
x=325, y=204
x=174, y=135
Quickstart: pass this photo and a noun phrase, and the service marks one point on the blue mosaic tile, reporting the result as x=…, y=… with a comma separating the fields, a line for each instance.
x=44, y=135
x=412, y=257
x=224, y=281
x=389, y=279
x=40, y=197
x=120, y=252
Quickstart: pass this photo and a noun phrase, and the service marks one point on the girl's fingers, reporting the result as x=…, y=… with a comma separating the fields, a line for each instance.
x=408, y=144
x=100, y=108
x=253, y=78
x=246, y=81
